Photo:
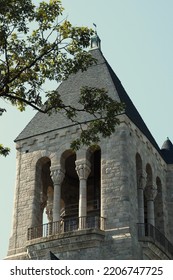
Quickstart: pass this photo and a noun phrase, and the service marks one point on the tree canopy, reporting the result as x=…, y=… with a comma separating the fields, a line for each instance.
x=38, y=45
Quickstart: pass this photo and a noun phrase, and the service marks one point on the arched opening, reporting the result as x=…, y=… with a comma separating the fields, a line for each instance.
x=94, y=182
x=43, y=192
x=71, y=205
x=70, y=186
x=48, y=214
x=149, y=175
x=138, y=170
x=149, y=182
x=140, y=189
x=158, y=207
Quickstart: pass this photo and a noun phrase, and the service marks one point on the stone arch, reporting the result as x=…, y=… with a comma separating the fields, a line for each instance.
x=65, y=155
x=70, y=185
x=43, y=198
x=158, y=207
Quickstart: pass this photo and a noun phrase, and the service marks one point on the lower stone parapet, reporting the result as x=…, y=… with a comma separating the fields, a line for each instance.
x=20, y=256
x=152, y=252
x=68, y=245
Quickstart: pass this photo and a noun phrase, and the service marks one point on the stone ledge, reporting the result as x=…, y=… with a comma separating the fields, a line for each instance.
x=66, y=235
x=18, y=256
x=66, y=242
x=154, y=250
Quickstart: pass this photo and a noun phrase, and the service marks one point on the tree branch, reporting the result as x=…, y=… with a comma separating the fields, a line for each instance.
x=7, y=95
x=27, y=67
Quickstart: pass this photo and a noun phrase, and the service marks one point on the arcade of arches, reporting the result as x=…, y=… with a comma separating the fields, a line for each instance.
x=71, y=191
x=68, y=191
x=149, y=191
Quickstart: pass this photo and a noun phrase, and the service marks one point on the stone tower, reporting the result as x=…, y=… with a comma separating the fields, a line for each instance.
x=113, y=202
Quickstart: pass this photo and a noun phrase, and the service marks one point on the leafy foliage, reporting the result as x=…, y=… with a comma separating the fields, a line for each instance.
x=104, y=110
x=37, y=46
x=4, y=151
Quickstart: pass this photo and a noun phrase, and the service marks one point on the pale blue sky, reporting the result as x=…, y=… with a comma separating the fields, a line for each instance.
x=137, y=40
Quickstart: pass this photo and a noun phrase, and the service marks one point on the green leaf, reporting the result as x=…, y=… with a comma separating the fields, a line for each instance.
x=37, y=47
x=4, y=151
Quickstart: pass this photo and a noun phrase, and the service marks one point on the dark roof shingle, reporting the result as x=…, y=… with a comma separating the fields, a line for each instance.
x=99, y=75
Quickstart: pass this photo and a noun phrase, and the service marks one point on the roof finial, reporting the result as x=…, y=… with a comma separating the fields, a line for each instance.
x=95, y=40
x=95, y=28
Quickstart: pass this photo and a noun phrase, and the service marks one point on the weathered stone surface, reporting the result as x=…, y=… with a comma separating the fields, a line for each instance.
x=117, y=194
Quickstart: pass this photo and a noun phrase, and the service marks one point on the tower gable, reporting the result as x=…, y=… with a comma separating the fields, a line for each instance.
x=100, y=75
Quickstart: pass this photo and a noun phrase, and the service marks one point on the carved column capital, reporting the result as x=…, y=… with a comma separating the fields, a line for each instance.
x=83, y=169
x=150, y=192
x=57, y=175
x=141, y=179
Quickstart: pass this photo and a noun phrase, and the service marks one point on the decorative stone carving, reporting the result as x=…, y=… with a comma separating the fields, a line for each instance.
x=141, y=179
x=57, y=175
x=150, y=192
x=83, y=169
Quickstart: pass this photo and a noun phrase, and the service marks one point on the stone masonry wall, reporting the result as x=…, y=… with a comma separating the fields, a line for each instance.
x=169, y=201
x=118, y=189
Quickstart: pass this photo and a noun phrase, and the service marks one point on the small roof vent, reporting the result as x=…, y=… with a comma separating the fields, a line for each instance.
x=167, y=151
x=167, y=145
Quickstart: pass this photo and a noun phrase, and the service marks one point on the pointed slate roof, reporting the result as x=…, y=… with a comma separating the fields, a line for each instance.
x=99, y=75
x=96, y=76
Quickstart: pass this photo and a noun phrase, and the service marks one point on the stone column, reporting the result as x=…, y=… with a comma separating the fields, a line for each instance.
x=57, y=175
x=141, y=182
x=83, y=170
x=150, y=193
